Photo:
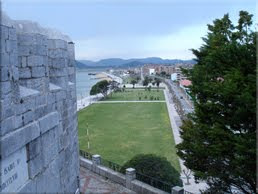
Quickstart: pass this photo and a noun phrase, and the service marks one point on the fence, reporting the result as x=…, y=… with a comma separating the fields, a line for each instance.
x=154, y=182
x=111, y=165
x=86, y=155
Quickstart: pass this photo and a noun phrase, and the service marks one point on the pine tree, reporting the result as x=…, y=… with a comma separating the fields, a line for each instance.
x=219, y=138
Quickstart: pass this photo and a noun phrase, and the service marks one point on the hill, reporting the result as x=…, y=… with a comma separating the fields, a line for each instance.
x=125, y=63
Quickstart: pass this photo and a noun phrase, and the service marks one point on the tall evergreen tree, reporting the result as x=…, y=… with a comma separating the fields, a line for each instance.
x=219, y=138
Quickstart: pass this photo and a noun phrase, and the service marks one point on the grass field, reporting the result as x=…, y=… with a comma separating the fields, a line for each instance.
x=120, y=131
x=137, y=94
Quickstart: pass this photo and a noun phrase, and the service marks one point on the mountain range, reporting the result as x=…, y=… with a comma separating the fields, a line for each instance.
x=124, y=63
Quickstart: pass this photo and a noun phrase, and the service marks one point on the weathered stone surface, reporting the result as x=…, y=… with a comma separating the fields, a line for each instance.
x=4, y=74
x=36, y=115
x=5, y=59
x=12, y=34
x=27, y=92
x=35, y=165
x=40, y=100
x=36, y=61
x=38, y=71
x=28, y=117
x=19, y=138
x=7, y=125
x=48, y=122
x=24, y=106
x=18, y=121
x=29, y=187
x=25, y=72
x=5, y=87
x=49, y=181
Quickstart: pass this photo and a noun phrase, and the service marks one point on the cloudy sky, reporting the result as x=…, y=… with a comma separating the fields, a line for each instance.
x=129, y=28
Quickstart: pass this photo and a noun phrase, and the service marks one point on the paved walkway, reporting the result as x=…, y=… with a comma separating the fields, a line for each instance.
x=95, y=184
x=106, y=102
x=175, y=123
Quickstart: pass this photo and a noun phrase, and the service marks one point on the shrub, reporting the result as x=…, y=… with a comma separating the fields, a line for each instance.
x=154, y=166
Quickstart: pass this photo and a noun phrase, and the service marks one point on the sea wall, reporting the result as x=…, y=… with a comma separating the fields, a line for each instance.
x=38, y=114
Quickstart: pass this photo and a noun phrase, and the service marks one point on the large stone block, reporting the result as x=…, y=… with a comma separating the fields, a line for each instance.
x=26, y=39
x=7, y=109
x=15, y=74
x=24, y=72
x=41, y=39
x=58, y=62
x=19, y=138
x=4, y=74
x=36, y=60
x=18, y=122
x=40, y=100
x=49, y=181
x=29, y=187
x=4, y=60
x=54, y=72
x=49, y=121
x=25, y=105
x=28, y=117
x=35, y=165
x=11, y=46
x=49, y=144
x=5, y=88
x=7, y=125
x=4, y=32
x=12, y=34
x=23, y=50
x=38, y=71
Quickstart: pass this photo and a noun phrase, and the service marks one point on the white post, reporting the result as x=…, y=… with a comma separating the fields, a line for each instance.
x=177, y=190
x=96, y=160
x=130, y=176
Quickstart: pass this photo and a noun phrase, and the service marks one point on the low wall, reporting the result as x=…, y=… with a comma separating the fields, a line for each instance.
x=128, y=180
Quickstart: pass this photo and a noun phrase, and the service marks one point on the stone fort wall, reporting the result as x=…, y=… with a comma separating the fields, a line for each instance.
x=38, y=135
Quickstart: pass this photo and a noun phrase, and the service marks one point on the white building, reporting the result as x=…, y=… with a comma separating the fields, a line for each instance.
x=173, y=77
x=152, y=71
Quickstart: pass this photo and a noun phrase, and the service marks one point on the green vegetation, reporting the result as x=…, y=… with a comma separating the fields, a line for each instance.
x=219, y=139
x=128, y=79
x=100, y=87
x=147, y=80
x=136, y=94
x=154, y=166
x=120, y=131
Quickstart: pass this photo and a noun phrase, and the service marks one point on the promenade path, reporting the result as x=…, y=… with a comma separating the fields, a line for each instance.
x=175, y=124
x=124, y=101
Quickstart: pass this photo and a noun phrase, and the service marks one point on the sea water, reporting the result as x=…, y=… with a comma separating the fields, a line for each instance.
x=84, y=81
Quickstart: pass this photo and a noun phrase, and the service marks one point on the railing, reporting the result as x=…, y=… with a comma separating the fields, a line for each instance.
x=112, y=165
x=86, y=155
x=139, y=176
x=154, y=182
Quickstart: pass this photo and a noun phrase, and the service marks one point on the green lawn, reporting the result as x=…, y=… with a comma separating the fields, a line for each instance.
x=120, y=131
x=127, y=79
x=137, y=94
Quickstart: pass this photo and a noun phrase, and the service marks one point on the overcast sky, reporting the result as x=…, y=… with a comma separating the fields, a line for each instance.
x=129, y=28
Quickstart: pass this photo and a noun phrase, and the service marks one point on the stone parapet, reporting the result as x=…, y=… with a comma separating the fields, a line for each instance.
x=128, y=180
